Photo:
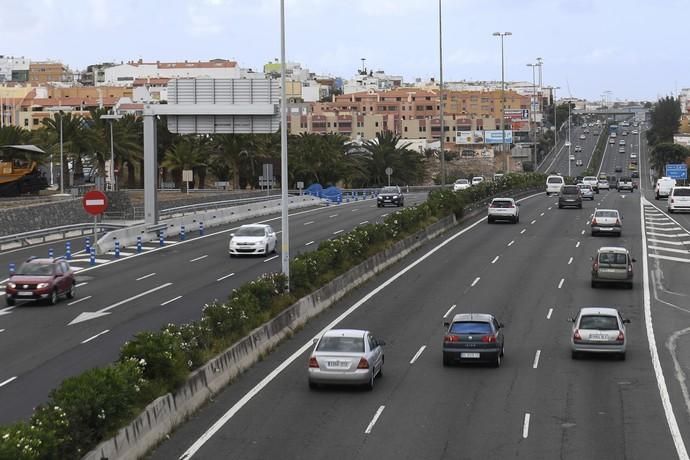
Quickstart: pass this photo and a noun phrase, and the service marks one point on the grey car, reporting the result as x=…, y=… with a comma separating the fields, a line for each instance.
x=346, y=357
x=598, y=330
x=390, y=195
x=606, y=221
x=586, y=191
x=570, y=196
x=473, y=337
x=612, y=264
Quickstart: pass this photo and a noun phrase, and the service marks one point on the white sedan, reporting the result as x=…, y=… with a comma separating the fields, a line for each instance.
x=461, y=184
x=252, y=239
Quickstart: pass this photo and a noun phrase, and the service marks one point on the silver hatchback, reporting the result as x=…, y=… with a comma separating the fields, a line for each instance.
x=347, y=357
x=586, y=191
x=606, y=221
x=598, y=330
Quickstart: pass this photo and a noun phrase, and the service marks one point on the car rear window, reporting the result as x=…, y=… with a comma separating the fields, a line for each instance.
x=343, y=344
x=555, y=180
x=599, y=322
x=35, y=269
x=501, y=204
x=613, y=258
x=606, y=214
x=681, y=192
x=570, y=190
x=470, y=327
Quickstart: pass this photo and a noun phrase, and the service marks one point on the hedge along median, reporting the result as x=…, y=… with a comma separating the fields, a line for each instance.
x=153, y=372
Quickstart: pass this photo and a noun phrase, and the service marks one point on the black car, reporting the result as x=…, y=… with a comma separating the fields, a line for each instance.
x=570, y=196
x=390, y=195
x=474, y=338
x=635, y=175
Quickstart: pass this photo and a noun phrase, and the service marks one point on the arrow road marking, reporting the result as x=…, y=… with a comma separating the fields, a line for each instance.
x=89, y=315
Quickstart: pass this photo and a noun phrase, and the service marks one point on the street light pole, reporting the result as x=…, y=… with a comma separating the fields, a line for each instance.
x=503, y=94
x=440, y=92
x=111, y=172
x=62, y=160
x=285, y=238
x=532, y=118
x=569, y=140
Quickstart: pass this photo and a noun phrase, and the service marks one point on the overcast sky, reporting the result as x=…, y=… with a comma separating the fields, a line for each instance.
x=637, y=49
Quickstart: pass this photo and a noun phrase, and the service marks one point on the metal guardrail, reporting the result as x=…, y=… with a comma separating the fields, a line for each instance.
x=20, y=240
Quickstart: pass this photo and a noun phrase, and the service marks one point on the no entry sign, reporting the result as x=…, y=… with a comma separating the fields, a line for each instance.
x=95, y=202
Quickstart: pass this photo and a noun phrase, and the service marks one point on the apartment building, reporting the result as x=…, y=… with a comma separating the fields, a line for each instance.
x=42, y=72
x=125, y=74
x=15, y=69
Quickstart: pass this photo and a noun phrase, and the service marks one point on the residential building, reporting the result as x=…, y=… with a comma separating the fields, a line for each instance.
x=125, y=74
x=14, y=69
x=683, y=97
x=293, y=71
x=376, y=81
x=42, y=72
x=94, y=74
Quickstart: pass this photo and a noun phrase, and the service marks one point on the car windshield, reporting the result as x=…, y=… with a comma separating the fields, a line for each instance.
x=585, y=187
x=470, y=327
x=250, y=231
x=611, y=214
x=555, y=180
x=681, y=192
x=613, y=258
x=461, y=181
x=389, y=190
x=589, y=178
x=599, y=322
x=35, y=269
x=343, y=344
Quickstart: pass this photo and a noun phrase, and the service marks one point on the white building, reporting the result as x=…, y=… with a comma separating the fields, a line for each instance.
x=125, y=74
x=683, y=97
x=376, y=81
x=9, y=64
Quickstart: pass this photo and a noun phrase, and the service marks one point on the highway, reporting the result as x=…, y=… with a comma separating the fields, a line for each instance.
x=117, y=298
x=540, y=404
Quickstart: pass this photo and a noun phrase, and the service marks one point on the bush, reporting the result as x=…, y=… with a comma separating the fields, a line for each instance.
x=160, y=355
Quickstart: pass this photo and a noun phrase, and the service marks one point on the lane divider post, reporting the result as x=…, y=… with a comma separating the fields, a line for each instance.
x=92, y=258
x=68, y=250
x=138, y=244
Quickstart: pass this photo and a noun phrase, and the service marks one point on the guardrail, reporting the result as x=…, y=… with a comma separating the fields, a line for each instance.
x=20, y=240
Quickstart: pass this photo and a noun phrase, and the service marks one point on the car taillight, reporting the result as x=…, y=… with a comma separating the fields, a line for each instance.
x=621, y=336
x=363, y=364
x=629, y=267
x=451, y=338
x=618, y=222
x=595, y=266
x=594, y=221
x=576, y=335
x=511, y=205
x=313, y=362
x=671, y=200
x=489, y=339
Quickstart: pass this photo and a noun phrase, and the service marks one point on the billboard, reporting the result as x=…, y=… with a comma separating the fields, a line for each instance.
x=469, y=137
x=517, y=114
x=496, y=136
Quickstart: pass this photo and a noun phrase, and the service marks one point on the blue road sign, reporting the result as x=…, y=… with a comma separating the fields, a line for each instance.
x=677, y=171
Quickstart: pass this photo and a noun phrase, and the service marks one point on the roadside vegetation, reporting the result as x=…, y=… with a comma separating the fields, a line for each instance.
x=665, y=122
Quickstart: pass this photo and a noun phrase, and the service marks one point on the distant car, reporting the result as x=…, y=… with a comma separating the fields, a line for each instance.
x=503, y=209
x=618, y=168
x=554, y=184
x=578, y=162
x=578, y=148
x=586, y=191
x=612, y=264
x=592, y=180
x=477, y=180
x=625, y=133
x=635, y=174
x=41, y=279
x=606, y=221
x=598, y=330
x=570, y=196
x=571, y=158
x=586, y=131
x=621, y=142
x=461, y=184
x=612, y=140
x=621, y=149
x=679, y=199
x=390, y=195
x=663, y=187
x=346, y=357
x=252, y=239
x=473, y=337
x=634, y=131
x=625, y=183
x=603, y=184
x=633, y=156
x=583, y=137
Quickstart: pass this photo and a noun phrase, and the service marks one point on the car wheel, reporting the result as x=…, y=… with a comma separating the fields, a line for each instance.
x=574, y=355
x=629, y=285
x=517, y=220
x=266, y=250
x=380, y=374
x=72, y=291
x=656, y=197
x=370, y=384
x=446, y=360
x=497, y=361
x=10, y=302
x=560, y=207
x=312, y=385
x=53, y=297
x=579, y=206
x=489, y=220
x=670, y=210
x=594, y=284
x=621, y=356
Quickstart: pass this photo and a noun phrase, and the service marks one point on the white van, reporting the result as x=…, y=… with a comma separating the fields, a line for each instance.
x=554, y=184
x=663, y=187
x=679, y=199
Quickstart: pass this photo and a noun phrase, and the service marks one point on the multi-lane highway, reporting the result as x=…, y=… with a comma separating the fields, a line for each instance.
x=42, y=344
x=539, y=404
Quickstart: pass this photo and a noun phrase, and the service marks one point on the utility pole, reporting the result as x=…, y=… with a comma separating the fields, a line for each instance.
x=532, y=117
x=503, y=95
x=440, y=93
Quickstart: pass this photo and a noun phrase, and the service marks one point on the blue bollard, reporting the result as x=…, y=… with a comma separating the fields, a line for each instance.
x=92, y=259
x=138, y=244
x=13, y=268
x=201, y=229
x=161, y=241
x=117, y=249
x=87, y=245
x=68, y=250
x=182, y=232
x=51, y=253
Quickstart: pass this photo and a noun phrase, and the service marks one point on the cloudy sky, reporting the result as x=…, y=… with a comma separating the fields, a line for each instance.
x=637, y=49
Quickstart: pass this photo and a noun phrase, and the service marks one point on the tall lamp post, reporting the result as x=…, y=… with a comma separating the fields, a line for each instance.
x=285, y=238
x=111, y=171
x=440, y=93
x=62, y=159
x=532, y=118
x=503, y=92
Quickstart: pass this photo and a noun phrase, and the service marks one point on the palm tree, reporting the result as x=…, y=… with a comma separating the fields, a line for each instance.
x=384, y=152
x=184, y=154
x=78, y=140
x=232, y=150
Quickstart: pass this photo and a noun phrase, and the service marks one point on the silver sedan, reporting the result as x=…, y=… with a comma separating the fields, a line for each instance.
x=598, y=330
x=586, y=191
x=346, y=356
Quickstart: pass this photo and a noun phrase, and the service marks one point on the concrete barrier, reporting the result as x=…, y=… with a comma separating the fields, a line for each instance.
x=171, y=227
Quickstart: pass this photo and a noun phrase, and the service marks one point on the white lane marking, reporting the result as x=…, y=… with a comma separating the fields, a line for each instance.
x=673, y=243
x=533, y=222
x=541, y=214
x=332, y=216
x=548, y=315
x=384, y=215
x=6, y=310
x=656, y=363
x=95, y=336
x=225, y=276
x=523, y=231
x=583, y=232
x=230, y=413
x=672, y=229
x=79, y=300
x=560, y=285
x=171, y=300
x=677, y=251
x=549, y=208
x=145, y=276
x=495, y=259
x=2, y=330
x=680, y=375
x=674, y=235
x=570, y=261
x=535, y=364
x=356, y=209
x=577, y=245
x=271, y=258
x=199, y=258
x=373, y=420
x=11, y=379
x=449, y=310
x=418, y=354
x=364, y=223
x=525, y=426
x=338, y=231
x=675, y=259
x=309, y=243
x=309, y=223
x=511, y=243
x=81, y=284
x=660, y=222
x=476, y=280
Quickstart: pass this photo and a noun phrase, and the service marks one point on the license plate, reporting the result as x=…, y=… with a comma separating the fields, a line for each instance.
x=25, y=293
x=599, y=337
x=338, y=364
x=469, y=355
x=607, y=270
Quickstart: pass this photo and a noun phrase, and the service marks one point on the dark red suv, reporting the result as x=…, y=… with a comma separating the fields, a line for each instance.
x=41, y=279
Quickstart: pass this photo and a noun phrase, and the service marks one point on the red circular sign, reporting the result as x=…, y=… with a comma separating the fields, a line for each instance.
x=95, y=202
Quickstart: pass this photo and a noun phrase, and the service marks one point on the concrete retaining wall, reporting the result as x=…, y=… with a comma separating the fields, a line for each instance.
x=168, y=411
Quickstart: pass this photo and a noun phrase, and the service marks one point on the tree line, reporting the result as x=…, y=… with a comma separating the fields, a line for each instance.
x=664, y=123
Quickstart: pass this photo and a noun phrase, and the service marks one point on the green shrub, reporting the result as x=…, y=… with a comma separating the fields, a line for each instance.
x=160, y=355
